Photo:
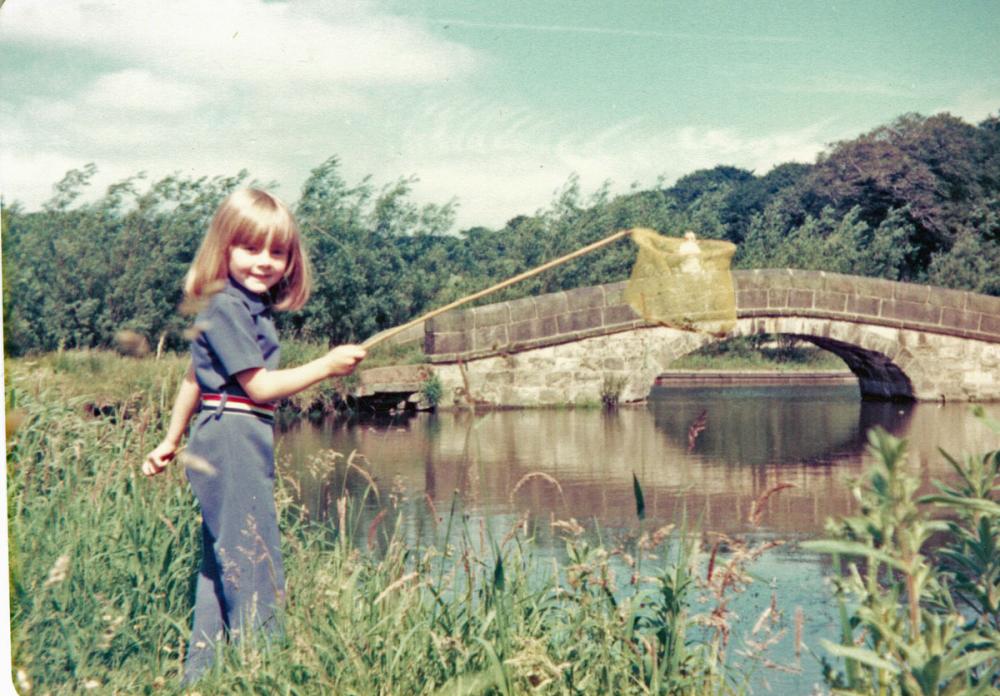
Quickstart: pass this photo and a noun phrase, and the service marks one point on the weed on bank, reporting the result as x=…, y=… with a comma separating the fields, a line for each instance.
x=103, y=561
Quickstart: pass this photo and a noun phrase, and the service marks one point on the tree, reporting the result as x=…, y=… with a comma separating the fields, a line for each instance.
x=931, y=167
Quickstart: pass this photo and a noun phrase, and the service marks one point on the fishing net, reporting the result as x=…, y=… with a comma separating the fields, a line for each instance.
x=683, y=283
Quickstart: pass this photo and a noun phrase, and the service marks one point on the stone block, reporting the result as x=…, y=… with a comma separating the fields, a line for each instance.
x=916, y=312
x=777, y=297
x=522, y=309
x=394, y=375
x=585, y=298
x=490, y=338
x=990, y=324
x=748, y=280
x=574, y=322
x=491, y=315
x=751, y=299
x=613, y=363
x=550, y=397
x=501, y=377
x=945, y=297
x=533, y=329
x=978, y=377
x=863, y=306
x=957, y=319
x=808, y=280
x=571, y=350
x=559, y=380
x=620, y=314
x=800, y=299
x=614, y=293
x=911, y=292
x=552, y=304
x=983, y=303
x=778, y=278
x=837, y=282
x=873, y=287
x=455, y=320
x=451, y=342
x=830, y=301
x=511, y=396
x=529, y=378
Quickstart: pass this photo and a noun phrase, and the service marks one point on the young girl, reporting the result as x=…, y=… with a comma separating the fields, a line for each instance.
x=250, y=262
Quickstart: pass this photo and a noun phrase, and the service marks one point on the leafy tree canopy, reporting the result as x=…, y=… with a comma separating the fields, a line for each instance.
x=917, y=199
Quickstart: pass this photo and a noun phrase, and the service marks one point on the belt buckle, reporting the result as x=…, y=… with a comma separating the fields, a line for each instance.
x=221, y=405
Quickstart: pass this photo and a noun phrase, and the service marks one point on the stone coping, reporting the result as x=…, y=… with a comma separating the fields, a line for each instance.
x=392, y=378
x=712, y=377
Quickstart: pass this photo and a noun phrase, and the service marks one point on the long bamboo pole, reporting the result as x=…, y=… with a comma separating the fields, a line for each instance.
x=386, y=335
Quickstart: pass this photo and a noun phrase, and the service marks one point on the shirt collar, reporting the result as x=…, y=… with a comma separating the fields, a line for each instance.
x=257, y=304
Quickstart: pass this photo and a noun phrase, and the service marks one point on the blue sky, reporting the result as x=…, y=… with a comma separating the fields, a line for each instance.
x=494, y=104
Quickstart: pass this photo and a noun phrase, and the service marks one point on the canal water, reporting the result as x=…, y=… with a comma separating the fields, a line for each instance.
x=701, y=456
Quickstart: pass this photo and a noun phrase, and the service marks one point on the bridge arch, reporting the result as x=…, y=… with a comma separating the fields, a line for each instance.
x=903, y=341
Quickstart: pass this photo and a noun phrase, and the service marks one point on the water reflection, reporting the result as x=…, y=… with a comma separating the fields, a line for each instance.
x=557, y=464
x=752, y=439
x=756, y=425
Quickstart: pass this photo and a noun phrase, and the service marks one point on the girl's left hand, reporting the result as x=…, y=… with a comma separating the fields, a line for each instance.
x=157, y=460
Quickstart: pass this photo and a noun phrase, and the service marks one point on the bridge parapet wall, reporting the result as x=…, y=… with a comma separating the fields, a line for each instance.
x=873, y=301
x=563, y=317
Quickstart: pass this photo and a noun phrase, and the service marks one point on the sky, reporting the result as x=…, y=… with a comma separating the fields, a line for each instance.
x=494, y=105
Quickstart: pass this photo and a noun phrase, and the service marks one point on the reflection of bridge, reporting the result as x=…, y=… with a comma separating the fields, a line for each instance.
x=903, y=341
x=593, y=457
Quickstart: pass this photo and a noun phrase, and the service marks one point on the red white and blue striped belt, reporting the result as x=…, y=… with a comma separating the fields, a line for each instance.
x=227, y=403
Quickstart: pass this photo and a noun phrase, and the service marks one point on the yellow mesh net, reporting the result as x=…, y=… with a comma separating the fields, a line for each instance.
x=683, y=283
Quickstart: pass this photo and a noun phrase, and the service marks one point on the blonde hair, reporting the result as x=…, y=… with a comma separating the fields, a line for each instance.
x=251, y=216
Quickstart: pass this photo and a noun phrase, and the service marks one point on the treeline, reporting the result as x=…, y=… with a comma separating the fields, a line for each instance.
x=915, y=200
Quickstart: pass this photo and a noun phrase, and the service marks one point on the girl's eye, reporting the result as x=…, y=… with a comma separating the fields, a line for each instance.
x=279, y=253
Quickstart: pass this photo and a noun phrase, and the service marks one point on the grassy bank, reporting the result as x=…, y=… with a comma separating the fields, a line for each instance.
x=108, y=383
x=760, y=353
x=102, y=564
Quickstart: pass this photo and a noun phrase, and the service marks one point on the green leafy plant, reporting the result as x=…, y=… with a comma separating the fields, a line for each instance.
x=611, y=390
x=903, y=631
x=432, y=390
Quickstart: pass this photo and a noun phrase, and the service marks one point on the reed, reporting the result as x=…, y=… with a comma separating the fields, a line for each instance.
x=102, y=564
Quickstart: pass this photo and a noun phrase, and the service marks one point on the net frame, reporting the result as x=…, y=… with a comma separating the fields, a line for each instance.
x=683, y=283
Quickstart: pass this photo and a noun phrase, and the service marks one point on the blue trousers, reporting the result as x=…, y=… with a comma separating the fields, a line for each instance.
x=241, y=580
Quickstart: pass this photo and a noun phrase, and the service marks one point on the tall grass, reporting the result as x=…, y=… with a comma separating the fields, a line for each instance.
x=102, y=564
x=103, y=560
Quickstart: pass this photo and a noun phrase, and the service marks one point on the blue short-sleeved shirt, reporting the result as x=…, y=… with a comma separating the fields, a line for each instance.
x=236, y=333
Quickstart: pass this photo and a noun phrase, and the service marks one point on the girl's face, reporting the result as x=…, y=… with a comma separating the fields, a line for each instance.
x=258, y=266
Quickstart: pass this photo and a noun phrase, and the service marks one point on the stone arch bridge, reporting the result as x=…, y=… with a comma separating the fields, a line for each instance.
x=903, y=341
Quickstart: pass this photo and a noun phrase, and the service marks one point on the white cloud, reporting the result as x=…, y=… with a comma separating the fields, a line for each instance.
x=208, y=87
x=837, y=84
x=140, y=90
x=245, y=40
x=975, y=105
x=619, y=31
x=503, y=160
x=34, y=174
